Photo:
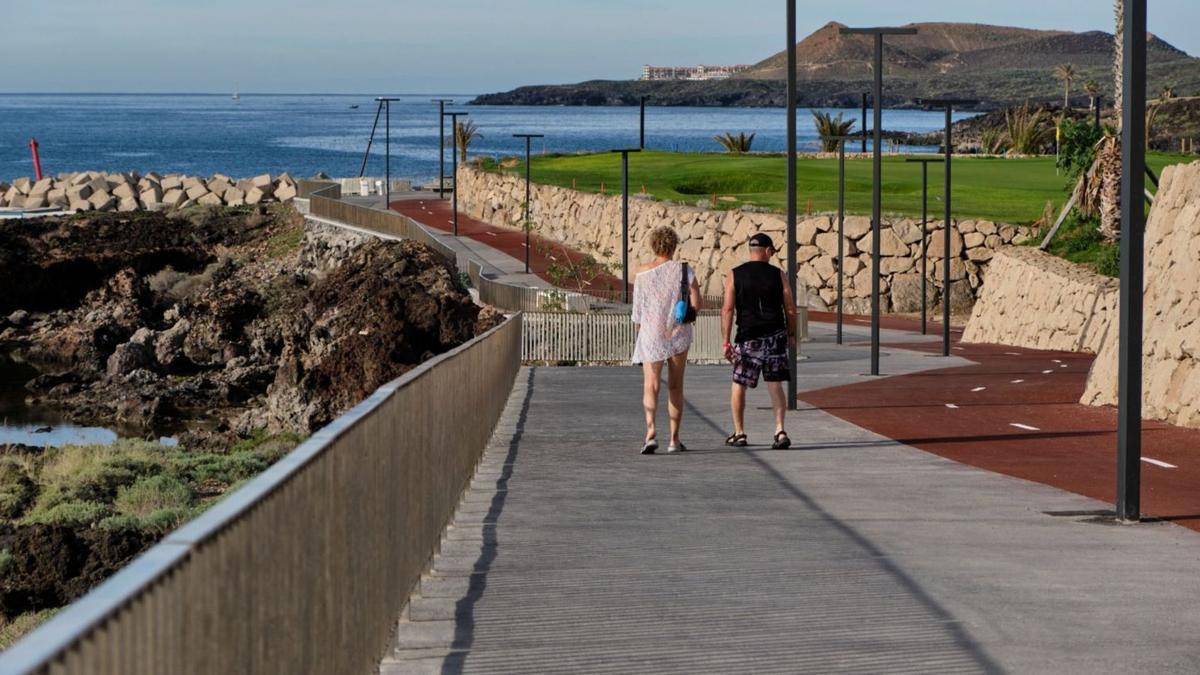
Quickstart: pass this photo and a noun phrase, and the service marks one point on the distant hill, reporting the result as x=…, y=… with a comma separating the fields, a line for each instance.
x=997, y=65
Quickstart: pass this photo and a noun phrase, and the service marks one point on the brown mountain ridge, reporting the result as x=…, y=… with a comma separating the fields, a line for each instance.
x=997, y=65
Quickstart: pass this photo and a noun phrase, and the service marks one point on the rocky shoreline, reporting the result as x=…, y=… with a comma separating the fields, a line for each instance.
x=241, y=329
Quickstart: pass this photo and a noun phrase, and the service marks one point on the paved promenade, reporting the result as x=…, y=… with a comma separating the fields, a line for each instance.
x=848, y=553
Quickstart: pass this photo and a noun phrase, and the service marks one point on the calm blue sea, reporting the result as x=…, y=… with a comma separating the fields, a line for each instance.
x=304, y=135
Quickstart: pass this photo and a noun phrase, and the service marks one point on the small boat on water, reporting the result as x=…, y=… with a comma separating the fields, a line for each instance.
x=354, y=107
x=236, y=95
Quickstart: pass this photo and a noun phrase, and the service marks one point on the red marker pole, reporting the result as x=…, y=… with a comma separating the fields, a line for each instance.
x=37, y=161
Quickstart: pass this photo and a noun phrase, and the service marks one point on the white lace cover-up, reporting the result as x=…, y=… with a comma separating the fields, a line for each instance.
x=655, y=293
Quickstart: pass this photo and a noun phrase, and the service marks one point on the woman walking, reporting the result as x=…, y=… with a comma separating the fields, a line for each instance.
x=664, y=331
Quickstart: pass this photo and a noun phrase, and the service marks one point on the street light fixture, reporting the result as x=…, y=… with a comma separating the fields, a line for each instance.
x=841, y=208
x=625, y=219
x=876, y=197
x=925, y=162
x=642, y=134
x=1133, y=226
x=454, y=152
x=441, y=144
x=948, y=104
x=528, y=139
x=387, y=153
x=791, y=187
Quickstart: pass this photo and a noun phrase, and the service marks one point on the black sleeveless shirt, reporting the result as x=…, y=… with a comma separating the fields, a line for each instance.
x=758, y=291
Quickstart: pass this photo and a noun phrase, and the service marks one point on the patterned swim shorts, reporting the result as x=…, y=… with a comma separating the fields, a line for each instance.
x=767, y=355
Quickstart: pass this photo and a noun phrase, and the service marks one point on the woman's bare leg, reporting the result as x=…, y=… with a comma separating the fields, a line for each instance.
x=675, y=367
x=652, y=377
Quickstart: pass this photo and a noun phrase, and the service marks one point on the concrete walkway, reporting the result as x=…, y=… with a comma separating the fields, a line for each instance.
x=847, y=553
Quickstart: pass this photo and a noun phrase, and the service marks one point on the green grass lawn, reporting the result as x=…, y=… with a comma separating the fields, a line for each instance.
x=1007, y=190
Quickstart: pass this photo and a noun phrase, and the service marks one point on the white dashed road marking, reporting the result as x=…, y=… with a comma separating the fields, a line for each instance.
x=1013, y=353
x=1017, y=381
x=1159, y=462
x=979, y=388
x=1047, y=372
x=1026, y=427
x=951, y=406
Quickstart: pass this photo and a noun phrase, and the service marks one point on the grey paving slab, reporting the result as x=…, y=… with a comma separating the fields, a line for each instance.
x=848, y=553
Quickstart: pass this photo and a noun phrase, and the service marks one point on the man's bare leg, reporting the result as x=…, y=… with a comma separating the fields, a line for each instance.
x=778, y=402
x=737, y=403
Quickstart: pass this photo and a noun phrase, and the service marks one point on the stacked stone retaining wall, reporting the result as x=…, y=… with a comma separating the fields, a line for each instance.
x=1171, y=352
x=714, y=241
x=1036, y=300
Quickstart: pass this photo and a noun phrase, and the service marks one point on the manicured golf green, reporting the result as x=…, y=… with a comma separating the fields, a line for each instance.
x=1007, y=190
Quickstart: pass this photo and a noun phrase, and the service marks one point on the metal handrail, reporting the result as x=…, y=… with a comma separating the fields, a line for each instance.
x=137, y=596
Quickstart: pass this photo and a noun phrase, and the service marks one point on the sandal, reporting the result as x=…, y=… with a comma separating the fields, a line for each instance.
x=781, y=443
x=736, y=441
x=650, y=446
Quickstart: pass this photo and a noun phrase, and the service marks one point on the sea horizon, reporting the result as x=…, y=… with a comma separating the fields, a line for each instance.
x=306, y=134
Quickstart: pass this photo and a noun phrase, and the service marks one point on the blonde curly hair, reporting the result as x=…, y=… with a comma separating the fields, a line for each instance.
x=663, y=241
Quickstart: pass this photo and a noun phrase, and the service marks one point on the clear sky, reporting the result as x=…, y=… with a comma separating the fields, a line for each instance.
x=453, y=46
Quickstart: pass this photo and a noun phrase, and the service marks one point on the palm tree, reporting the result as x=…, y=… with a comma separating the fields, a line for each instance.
x=1066, y=73
x=1152, y=110
x=1119, y=59
x=464, y=134
x=1028, y=130
x=1092, y=89
x=1108, y=154
x=735, y=144
x=831, y=128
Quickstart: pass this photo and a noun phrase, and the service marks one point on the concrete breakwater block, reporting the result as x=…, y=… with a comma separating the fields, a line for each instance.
x=98, y=191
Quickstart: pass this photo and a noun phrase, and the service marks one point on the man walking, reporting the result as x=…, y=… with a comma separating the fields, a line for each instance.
x=759, y=294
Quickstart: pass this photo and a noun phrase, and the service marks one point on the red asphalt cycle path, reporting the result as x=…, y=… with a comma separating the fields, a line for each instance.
x=436, y=213
x=1060, y=442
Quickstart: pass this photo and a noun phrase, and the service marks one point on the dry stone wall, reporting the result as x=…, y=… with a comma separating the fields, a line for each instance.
x=1171, y=353
x=1036, y=300
x=714, y=241
x=96, y=191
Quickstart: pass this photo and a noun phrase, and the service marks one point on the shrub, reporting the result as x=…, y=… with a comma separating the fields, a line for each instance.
x=735, y=144
x=152, y=494
x=830, y=128
x=1028, y=130
x=70, y=513
x=17, y=489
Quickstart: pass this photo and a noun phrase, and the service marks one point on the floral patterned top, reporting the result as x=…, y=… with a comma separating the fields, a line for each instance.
x=655, y=292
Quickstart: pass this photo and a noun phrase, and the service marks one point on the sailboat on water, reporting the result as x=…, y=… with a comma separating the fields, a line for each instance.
x=235, y=96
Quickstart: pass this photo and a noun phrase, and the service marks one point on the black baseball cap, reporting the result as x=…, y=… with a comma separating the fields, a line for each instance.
x=761, y=240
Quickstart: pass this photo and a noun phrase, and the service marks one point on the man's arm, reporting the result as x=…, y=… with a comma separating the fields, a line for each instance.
x=727, y=311
x=789, y=307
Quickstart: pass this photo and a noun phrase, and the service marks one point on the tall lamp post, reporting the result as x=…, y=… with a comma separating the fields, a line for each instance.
x=528, y=139
x=841, y=210
x=387, y=145
x=1133, y=225
x=948, y=105
x=925, y=162
x=791, y=186
x=625, y=220
x=864, y=123
x=876, y=197
x=642, y=125
x=441, y=144
x=454, y=152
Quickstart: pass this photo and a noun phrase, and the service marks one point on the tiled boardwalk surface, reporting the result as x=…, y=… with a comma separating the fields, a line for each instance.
x=848, y=553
